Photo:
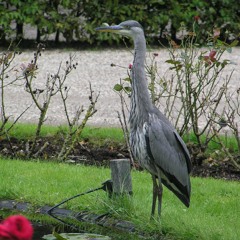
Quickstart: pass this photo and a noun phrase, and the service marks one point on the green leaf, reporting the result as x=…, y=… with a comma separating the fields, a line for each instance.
x=224, y=63
x=127, y=79
x=58, y=236
x=118, y=87
x=128, y=89
x=234, y=43
x=173, y=62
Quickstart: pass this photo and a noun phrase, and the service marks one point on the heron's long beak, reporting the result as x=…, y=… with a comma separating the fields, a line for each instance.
x=114, y=29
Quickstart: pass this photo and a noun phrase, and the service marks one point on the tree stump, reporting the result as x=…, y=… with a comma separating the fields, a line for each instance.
x=121, y=176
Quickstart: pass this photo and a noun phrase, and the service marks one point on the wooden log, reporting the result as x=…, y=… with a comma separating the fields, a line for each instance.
x=121, y=176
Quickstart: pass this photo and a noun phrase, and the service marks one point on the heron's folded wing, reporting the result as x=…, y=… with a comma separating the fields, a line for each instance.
x=185, y=151
x=169, y=153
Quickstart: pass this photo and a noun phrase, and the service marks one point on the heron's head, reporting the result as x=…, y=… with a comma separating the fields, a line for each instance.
x=128, y=28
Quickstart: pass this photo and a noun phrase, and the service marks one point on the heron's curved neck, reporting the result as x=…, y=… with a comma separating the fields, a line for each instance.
x=140, y=99
x=139, y=51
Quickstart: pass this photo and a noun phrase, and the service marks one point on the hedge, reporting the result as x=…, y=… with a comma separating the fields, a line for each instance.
x=77, y=19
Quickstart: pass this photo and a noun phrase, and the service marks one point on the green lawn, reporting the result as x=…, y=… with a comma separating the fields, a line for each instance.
x=25, y=131
x=213, y=214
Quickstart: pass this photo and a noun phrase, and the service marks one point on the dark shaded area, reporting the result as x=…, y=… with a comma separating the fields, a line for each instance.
x=100, y=155
x=70, y=220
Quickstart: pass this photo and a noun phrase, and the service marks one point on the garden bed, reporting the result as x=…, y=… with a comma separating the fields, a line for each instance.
x=89, y=154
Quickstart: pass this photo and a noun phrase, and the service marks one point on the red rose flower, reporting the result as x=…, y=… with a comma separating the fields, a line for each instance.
x=212, y=54
x=16, y=228
x=211, y=57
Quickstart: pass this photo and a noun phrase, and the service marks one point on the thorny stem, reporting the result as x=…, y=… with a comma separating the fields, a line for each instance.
x=6, y=68
x=29, y=81
x=5, y=61
x=226, y=151
x=152, y=72
x=71, y=132
x=90, y=111
x=233, y=104
x=123, y=123
x=64, y=90
x=49, y=93
x=125, y=130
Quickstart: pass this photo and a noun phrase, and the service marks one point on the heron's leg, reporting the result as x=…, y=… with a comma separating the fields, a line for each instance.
x=159, y=194
x=154, y=199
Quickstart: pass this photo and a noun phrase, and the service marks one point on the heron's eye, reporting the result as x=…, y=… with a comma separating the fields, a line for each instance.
x=127, y=27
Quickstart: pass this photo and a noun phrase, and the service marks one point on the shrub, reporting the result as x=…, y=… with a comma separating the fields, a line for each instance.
x=78, y=19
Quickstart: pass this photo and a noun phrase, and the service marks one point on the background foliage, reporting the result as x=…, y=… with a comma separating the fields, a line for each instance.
x=77, y=19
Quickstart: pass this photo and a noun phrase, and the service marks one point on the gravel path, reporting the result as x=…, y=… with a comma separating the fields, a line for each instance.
x=93, y=67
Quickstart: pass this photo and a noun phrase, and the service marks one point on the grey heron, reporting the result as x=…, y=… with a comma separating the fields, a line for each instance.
x=154, y=142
